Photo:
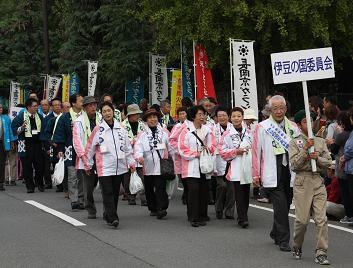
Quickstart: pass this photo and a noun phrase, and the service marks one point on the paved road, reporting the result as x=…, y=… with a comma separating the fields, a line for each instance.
x=30, y=237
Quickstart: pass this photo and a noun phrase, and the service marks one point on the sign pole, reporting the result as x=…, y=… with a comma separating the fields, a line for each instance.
x=195, y=84
x=231, y=72
x=308, y=122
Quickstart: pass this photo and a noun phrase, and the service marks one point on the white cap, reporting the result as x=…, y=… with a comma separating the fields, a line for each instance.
x=250, y=114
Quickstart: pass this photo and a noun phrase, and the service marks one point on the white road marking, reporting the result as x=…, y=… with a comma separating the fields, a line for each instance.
x=348, y=230
x=58, y=214
x=293, y=216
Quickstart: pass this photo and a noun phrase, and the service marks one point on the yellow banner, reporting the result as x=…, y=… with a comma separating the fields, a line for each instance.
x=66, y=87
x=22, y=95
x=176, y=93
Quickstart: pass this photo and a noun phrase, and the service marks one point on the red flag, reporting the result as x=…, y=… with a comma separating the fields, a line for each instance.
x=204, y=82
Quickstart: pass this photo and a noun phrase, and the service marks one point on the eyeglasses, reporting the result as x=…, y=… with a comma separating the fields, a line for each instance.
x=281, y=108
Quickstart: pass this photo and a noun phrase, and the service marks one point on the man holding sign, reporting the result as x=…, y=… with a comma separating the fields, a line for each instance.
x=309, y=190
x=270, y=163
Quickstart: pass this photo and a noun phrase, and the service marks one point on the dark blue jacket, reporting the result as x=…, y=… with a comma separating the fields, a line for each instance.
x=63, y=138
x=18, y=122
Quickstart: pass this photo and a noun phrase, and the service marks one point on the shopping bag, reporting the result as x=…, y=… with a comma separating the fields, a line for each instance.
x=59, y=172
x=136, y=184
x=247, y=168
x=172, y=187
x=206, y=163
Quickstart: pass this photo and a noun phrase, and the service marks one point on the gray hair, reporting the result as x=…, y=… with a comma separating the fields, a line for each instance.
x=203, y=101
x=277, y=98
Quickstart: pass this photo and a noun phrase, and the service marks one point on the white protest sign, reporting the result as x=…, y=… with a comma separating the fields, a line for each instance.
x=159, y=79
x=92, y=77
x=302, y=65
x=243, y=75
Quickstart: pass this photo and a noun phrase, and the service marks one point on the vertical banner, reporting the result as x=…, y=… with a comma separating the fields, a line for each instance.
x=53, y=87
x=74, y=84
x=22, y=95
x=26, y=91
x=65, y=87
x=15, y=95
x=176, y=93
x=135, y=90
x=92, y=77
x=204, y=82
x=187, y=85
x=244, y=90
x=159, y=79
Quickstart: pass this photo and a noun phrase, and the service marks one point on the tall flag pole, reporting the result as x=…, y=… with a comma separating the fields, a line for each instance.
x=195, y=84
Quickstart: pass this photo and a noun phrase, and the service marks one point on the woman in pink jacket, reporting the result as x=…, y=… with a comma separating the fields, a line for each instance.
x=110, y=144
x=235, y=148
x=190, y=147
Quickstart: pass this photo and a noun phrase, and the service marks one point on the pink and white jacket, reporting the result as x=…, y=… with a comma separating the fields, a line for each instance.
x=220, y=164
x=229, y=146
x=173, y=140
x=80, y=136
x=112, y=148
x=189, y=149
x=264, y=164
x=146, y=148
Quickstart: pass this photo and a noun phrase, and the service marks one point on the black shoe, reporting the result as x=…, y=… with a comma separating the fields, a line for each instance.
x=132, y=202
x=48, y=186
x=144, y=203
x=184, y=201
x=195, y=224
x=7, y=183
x=2, y=188
x=243, y=224
x=219, y=215
x=13, y=183
x=322, y=260
x=30, y=191
x=297, y=253
x=230, y=217
x=41, y=188
x=284, y=246
x=75, y=206
x=153, y=213
x=202, y=223
x=81, y=206
x=161, y=214
x=115, y=223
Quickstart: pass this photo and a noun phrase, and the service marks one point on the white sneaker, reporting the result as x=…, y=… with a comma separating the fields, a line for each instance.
x=263, y=200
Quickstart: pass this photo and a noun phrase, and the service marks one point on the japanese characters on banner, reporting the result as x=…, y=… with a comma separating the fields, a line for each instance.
x=14, y=111
x=187, y=84
x=92, y=77
x=53, y=87
x=65, y=87
x=302, y=65
x=244, y=90
x=135, y=91
x=176, y=93
x=159, y=79
x=204, y=82
x=74, y=86
x=15, y=94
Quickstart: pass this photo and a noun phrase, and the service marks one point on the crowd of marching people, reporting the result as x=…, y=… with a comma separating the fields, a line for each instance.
x=217, y=154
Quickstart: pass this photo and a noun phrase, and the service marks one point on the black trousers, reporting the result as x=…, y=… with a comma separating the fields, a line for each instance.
x=197, y=198
x=347, y=201
x=3, y=155
x=281, y=197
x=33, y=159
x=350, y=188
x=46, y=168
x=242, y=195
x=110, y=186
x=156, y=195
x=185, y=191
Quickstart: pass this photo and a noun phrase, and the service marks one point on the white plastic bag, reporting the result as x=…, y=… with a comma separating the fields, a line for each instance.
x=247, y=168
x=59, y=172
x=172, y=187
x=136, y=184
x=206, y=162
